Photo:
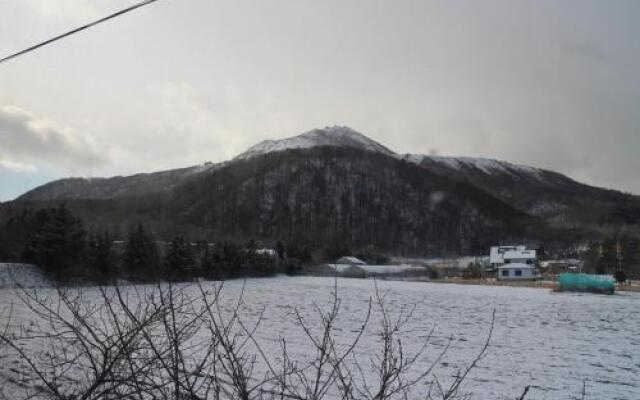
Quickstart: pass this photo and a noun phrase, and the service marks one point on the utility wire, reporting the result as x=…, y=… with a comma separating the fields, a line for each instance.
x=83, y=27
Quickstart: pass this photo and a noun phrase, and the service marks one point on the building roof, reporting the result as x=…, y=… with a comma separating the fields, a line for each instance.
x=376, y=269
x=516, y=266
x=350, y=260
x=500, y=254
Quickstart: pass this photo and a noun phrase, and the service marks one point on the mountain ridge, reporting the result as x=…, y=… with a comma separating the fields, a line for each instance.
x=550, y=195
x=335, y=184
x=333, y=136
x=329, y=136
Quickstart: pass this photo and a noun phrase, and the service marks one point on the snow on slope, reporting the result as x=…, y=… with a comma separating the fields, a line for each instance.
x=341, y=136
x=117, y=186
x=338, y=136
x=487, y=165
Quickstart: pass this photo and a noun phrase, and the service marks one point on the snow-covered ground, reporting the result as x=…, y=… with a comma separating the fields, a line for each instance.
x=25, y=275
x=552, y=341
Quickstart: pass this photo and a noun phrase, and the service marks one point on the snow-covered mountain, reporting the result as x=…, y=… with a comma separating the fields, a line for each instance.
x=532, y=190
x=336, y=136
x=337, y=183
x=486, y=165
x=343, y=136
x=333, y=136
x=116, y=186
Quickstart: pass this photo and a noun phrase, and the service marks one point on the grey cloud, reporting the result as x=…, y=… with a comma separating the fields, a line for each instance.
x=27, y=140
x=543, y=83
x=586, y=49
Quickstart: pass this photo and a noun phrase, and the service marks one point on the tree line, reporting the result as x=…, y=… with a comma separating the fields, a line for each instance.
x=618, y=255
x=57, y=241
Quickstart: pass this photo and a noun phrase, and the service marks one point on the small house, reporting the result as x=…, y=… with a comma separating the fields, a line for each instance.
x=501, y=255
x=555, y=267
x=516, y=271
x=513, y=262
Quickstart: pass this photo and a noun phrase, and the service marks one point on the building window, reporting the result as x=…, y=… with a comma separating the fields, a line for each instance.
x=518, y=272
x=505, y=272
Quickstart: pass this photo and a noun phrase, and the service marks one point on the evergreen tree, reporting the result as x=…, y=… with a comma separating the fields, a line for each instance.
x=15, y=234
x=252, y=245
x=291, y=266
x=179, y=262
x=607, y=262
x=260, y=265
x=250, y=259
x=57, y=243
x=231, y=259
x=100, y=259
x=209, y=266
x=280, y=250
x=592, y=257
x=629, y=246
x=141, y=258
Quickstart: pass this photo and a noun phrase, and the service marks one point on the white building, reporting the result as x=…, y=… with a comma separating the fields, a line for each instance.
x=501, y=255
x=266, y=252
x=516, y=271
x=375, y=269
x=356, y=266
x=513, y=262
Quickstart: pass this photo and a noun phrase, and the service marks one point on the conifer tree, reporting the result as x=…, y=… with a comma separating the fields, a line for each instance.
x=179, y=262
x=57, y=243
x=280, y=250
x=208, y=264
x=100, y=258
x=141, y=259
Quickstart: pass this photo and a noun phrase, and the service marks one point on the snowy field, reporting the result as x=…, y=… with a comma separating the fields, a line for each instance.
x=551, y=341
x=25, y=275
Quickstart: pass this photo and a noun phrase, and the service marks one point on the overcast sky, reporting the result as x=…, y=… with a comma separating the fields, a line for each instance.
x=552, y=84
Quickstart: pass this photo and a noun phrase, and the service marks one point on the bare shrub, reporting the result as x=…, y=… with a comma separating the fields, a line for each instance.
x=163, y=342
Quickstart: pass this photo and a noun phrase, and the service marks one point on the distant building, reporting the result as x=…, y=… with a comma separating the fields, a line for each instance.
x=348, y=260
x=516, y=271
x=266, y=252
x=355, y=267
x=501, y=255
x=554, y=267
x=513, y=262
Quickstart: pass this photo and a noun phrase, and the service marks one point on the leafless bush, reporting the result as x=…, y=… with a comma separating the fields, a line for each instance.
x=163, y=343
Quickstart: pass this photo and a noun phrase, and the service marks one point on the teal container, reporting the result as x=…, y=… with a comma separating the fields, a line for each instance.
x=587, y=283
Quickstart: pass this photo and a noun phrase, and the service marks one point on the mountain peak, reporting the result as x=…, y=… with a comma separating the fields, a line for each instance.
x=337, y=136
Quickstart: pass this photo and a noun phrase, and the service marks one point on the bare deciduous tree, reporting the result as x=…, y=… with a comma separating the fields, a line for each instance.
x=164, y=342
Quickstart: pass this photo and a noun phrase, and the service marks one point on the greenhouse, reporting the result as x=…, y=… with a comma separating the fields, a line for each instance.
x=587, y=283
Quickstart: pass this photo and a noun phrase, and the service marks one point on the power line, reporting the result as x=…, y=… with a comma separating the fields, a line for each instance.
x=83, y=27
